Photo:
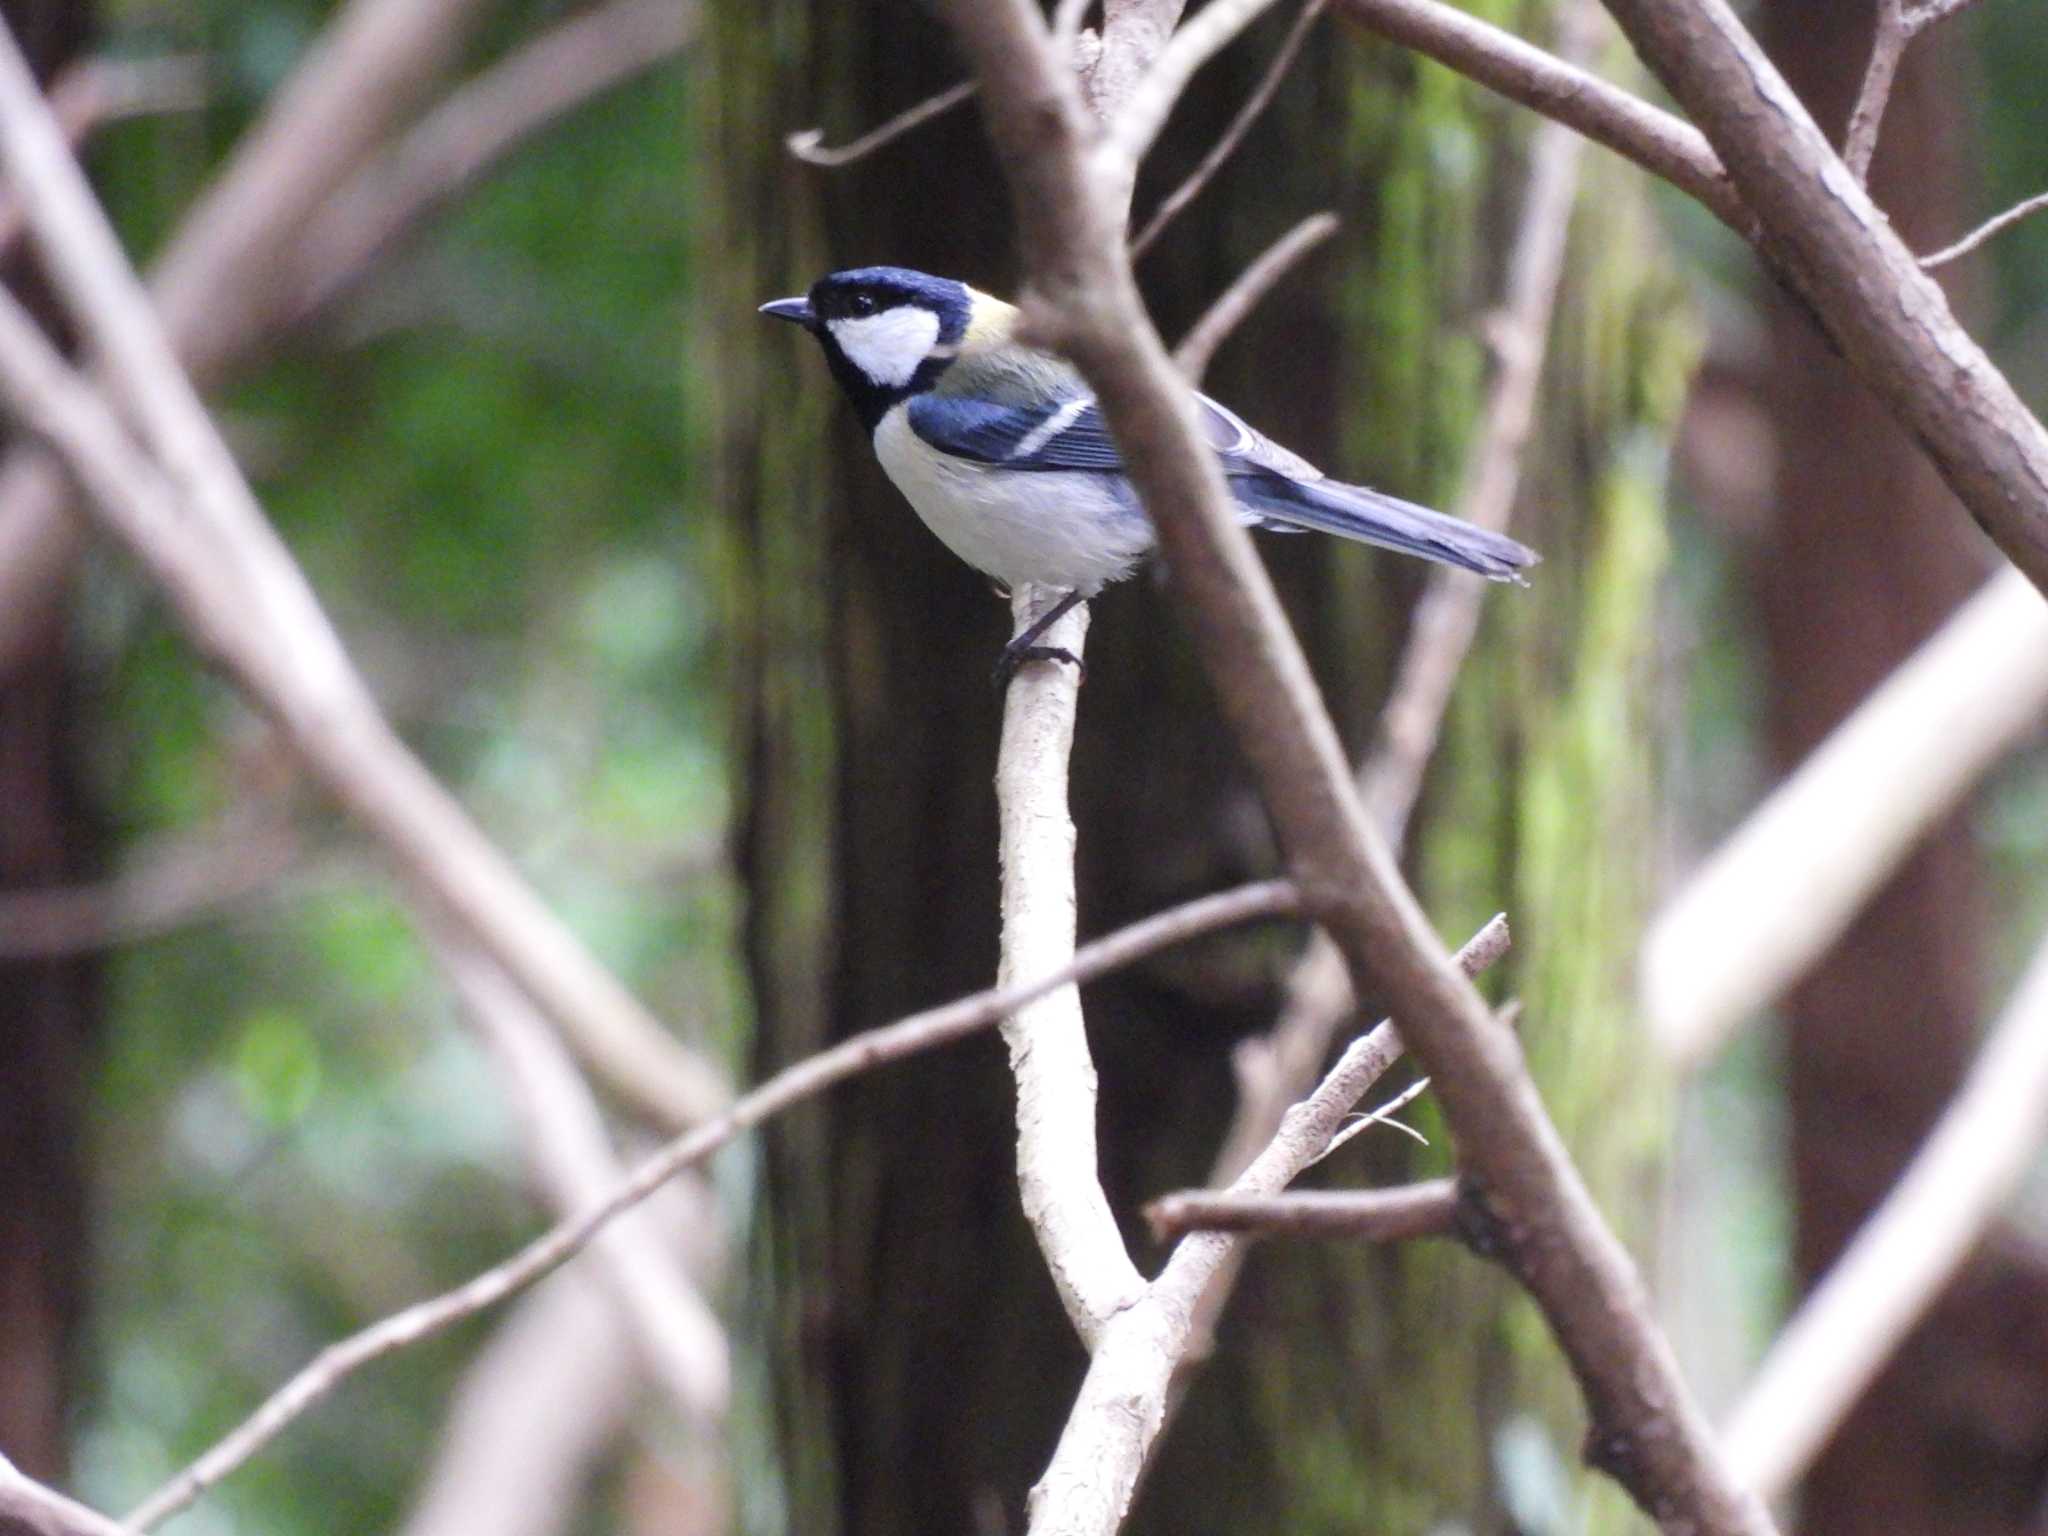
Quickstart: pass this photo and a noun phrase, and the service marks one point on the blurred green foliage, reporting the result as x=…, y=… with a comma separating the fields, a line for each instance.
x=478, y=460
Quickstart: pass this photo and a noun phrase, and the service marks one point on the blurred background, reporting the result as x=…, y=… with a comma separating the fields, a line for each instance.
x=618, y=565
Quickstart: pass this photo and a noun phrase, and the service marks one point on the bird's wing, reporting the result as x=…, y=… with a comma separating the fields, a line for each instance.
x=1271, y=486
x=1069, y=433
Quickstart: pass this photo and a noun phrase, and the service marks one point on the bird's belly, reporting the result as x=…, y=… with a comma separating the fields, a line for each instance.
x=1066, y=529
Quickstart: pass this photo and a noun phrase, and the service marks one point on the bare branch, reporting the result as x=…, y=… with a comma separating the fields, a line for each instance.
x=174, y=882
x=809, y=146
x=1928, y=13
x=1647, y=1430
x=1780, y=888
x=218, y=283
x=1122, y=1407
x=1135, y=125
x=925, y=1031
x=1134, y=34
x=92, y=93
x=571, y=1155
x=1235, y=303
x=1967, y=1170
x=233, y=582
x=1275, y=1070
x=1887, y=45
x=543, y=1399
x=1663, y=145
x=27, y=1508
x=1446, y=617
x=1067, y=18
x=367, y=72
x=305, y=156
x=1048, y=1043
x=1378, y=1215
x=1992, y=226
x=1843, y=257
x=477, y=126
x=1233, y=135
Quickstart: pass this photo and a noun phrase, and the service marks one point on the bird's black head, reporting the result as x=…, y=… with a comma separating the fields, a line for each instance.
x=888, y=332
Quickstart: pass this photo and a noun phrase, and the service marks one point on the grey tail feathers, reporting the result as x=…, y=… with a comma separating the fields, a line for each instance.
x=1353, y=512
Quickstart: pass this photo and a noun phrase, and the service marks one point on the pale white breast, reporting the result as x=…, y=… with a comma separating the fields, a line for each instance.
x=1069, y=530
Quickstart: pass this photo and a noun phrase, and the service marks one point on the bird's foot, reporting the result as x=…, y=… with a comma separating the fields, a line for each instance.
x=1014, y=656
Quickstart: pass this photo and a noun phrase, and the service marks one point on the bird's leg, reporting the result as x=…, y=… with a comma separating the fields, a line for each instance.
x=1023, y=645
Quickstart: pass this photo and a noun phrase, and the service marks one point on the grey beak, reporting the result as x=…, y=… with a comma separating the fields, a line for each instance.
x=798, y=310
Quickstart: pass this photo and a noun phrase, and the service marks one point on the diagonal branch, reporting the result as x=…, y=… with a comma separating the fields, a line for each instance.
x=1663, y=145
x=1995, y=225
x=196, y=526
x=1887, y=46
x=1841, y=254
x=1274, y=1070
x=27, y=1508
x=176, y=880
x=794, y=1084
x=479, y=124
x=1647, y=1431
x=1970, y=1166
x=1234, y=134
x=1135, y=124
x=1779, y=889
x=809, y=145
x=1236, y=302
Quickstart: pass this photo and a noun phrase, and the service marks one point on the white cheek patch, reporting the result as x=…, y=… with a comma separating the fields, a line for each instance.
x=888, y=347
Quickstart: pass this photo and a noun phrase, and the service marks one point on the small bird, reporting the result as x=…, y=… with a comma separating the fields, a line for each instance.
x=1003, y=452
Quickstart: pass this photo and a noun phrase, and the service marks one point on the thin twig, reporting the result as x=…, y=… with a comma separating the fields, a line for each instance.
x=1135, y=125
x=1429, y=1209
x=803, y=1080
x=1887, y=45
x=1198, y=348
x=1233, y=135
x=1383, y=1115
x=808, y=145
x=1966, y=1171
x=1992, y=226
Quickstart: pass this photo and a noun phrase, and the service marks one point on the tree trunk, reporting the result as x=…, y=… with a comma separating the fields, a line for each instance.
x=926, y=1365
x=1865, y=556
x=47, y=1008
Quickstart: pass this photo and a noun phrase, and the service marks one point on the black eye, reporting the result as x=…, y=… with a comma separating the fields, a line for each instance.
x=862, y=303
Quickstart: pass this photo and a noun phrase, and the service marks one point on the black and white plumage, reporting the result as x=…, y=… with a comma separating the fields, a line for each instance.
x=1003, y=452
